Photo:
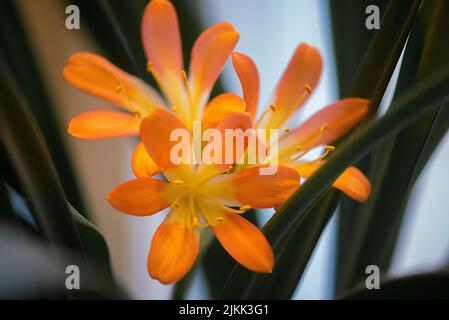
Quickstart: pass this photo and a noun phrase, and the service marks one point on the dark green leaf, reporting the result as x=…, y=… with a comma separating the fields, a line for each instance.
x=409, y=107
x=424, y=286
x=293, y=256
x=29, y=155
x=17, y=55
x=400, y=161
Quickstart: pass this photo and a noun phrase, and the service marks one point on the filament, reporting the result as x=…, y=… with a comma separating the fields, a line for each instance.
x=272, y=108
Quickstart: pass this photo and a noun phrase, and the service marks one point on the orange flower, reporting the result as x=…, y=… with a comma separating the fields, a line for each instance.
x=293, y=90
x=201, y=196
x=186, y=94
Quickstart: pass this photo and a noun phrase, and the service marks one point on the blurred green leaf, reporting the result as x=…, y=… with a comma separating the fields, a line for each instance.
x=31, y=270
x=97, y=251
x=423, y=286
x=350, y=37
x=293, y=256
x=17, y=56
x=29, y=155
x=400, y=161
x=409, y=107
x=372, y=79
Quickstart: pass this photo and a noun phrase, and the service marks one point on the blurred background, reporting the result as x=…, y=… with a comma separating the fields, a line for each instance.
x=269, y=30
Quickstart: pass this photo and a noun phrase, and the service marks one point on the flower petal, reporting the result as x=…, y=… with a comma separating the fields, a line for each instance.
x=265, y=191
x=97, y=76
x=235, y=131
x=222, y=106
x=245, y=243
x=142, y=164
x=249, y=79
x=139, y=197
x=101, y=124
x=299, y=79
x=162, y=44
x=336, y=120
x=352, y=181
x=155, y=132
x=173, y=251
x=209, y=55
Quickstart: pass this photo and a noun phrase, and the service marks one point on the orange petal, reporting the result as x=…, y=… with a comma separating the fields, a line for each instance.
x=97, y=76
x=142, y=164
x=162, y=44
x=209, y=55
x=222, y=106
x=173, y=251
x=265, y=191
x=249, y=79
x=240, y=125
x=155, y=132
x=336, y=120
x=352, y=181
x=300, y=78
x=245, y=243
x=139, y=197
x=100, y=124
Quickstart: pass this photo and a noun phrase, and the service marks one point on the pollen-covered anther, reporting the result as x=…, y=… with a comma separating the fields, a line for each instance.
x=150, y=67
x=245, y=207
x=177, y=182
x=184, y=75
x=272, y=108
x=308, y=88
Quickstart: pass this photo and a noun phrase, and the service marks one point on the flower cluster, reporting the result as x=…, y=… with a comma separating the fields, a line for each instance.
x=208, y=195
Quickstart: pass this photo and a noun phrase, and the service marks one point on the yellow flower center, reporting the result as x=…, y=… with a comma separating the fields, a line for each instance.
x=197, y=195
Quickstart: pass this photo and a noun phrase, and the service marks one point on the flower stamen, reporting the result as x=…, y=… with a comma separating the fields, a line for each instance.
x=272, y=108
x=229, y=209
x=121, y=91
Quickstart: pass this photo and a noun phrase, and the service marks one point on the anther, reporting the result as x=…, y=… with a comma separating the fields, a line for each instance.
x=308, y=88
x=184, y=75
x=245, y=207
x=177, y=182
x=272, y=108
x=150, y=66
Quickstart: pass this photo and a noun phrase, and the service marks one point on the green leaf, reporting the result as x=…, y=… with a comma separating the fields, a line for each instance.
x=97, y=253
x=371, y=82
x=423, y=286
x=29, y=155
x=17, y=56
x=401, y=160
x=409, y=107
x=351, y=39
x=292, y=258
